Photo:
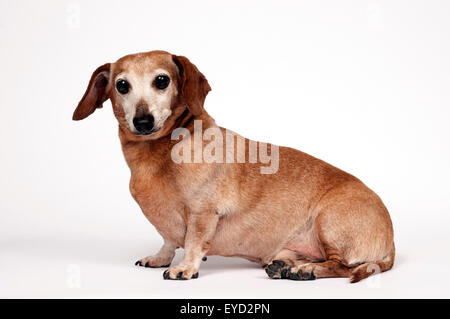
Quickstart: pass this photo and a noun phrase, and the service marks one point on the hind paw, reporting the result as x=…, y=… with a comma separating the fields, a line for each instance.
x=278, y=269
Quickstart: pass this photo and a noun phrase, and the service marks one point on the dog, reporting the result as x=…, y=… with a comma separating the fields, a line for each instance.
x=306, y=220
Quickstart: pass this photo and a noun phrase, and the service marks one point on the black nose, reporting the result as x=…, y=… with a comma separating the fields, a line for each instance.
x=144, y=124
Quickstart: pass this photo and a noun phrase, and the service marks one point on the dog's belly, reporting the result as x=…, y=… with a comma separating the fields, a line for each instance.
x=233, y=240
x=260, y=244
x=242, y=235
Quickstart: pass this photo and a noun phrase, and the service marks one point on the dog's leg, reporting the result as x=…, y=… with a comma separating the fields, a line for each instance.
x=290, y=257
x=304, y=270
x=199, y=233
x=283, y=260
x=162, y=259
x=287, y=256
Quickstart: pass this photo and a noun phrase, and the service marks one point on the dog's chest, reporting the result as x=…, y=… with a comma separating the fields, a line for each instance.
x=159, y=204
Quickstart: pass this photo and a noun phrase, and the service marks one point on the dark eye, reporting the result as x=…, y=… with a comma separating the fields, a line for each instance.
x=122, y=86
x=161, y=81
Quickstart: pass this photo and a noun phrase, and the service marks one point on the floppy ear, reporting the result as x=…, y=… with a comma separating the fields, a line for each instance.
x=96, y=93
x=193, y=84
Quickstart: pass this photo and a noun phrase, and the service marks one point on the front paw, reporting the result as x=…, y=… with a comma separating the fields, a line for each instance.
x=153, y=262
x=181, y=273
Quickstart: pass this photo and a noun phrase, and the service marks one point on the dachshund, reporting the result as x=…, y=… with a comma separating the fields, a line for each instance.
x=301, y=218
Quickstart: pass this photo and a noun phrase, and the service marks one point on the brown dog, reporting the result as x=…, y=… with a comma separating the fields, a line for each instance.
x=306, y=219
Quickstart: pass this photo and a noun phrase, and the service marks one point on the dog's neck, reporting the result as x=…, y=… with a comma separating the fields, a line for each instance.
x=154, y=155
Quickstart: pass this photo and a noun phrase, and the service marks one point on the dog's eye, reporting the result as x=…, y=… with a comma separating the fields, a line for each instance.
x=122, y=86
x=161, y=81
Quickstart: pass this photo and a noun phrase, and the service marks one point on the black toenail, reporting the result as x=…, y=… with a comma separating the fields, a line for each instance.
x=195, y=276
x=308, y=276
x=166, y=274
x=136, y=263
x=284, y=273
x=295, y=276
x=204, y=259
x=180, y=275
x=147, y=265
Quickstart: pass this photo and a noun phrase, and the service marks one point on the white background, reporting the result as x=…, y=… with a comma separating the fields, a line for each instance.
x=363, y=85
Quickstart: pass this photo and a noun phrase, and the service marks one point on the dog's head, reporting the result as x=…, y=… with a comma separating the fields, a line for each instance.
x=148, y=92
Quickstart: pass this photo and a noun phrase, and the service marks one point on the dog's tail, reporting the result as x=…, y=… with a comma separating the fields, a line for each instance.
x=365, y=270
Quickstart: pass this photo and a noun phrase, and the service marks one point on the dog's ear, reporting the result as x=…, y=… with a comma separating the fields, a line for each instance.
x=193, y=84
x=96, y=93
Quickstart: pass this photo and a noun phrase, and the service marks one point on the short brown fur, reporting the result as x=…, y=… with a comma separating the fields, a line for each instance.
x=317, y=219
